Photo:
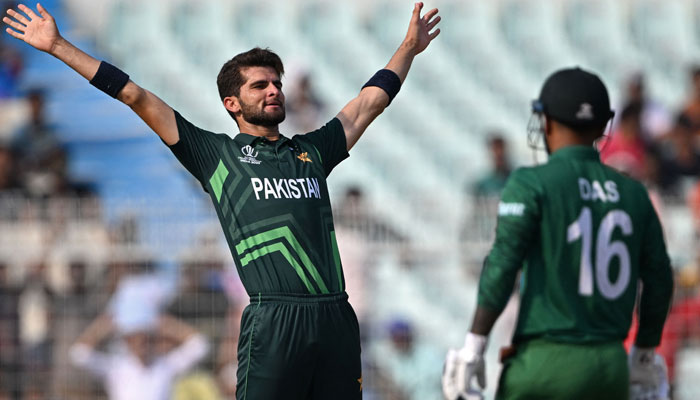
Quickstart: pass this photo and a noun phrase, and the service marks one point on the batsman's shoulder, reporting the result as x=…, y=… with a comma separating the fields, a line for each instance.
x=529, y=176
x=627, y=184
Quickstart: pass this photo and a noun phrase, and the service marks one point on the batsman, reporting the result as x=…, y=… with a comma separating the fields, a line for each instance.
x=588, y=244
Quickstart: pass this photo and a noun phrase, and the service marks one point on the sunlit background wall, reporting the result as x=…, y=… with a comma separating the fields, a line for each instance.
x=93, y=206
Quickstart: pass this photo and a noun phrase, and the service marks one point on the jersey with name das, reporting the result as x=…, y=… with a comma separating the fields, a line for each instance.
x=583, y=236
x=272, y=201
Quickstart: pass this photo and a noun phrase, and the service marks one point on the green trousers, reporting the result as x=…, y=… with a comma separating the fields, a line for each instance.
x=543, y=370
x=299, y=347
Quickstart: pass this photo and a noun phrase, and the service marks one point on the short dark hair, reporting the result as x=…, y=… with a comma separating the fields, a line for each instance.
x=230, y=78
x=595, y=131
x=495, y=138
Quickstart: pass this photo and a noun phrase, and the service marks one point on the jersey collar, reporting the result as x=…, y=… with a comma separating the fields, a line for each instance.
x=248, y=139
x=576, y=152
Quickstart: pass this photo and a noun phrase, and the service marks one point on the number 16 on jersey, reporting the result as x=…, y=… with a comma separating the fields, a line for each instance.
x=606, y=250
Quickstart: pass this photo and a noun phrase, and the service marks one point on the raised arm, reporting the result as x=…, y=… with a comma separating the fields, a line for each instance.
x=100, y=329
x=192, y=346
x=372, y=100
x=40, y=31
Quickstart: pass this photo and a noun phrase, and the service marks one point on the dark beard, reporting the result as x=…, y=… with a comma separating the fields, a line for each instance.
x=254, y=116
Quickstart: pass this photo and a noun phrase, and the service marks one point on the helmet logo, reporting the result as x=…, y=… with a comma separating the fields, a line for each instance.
x=585, y=112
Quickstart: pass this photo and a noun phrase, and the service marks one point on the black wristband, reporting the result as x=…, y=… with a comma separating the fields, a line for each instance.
x=386, y=80
x=109, y=79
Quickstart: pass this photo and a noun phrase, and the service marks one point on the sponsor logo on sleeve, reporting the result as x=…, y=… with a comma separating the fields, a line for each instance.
x=511, y=209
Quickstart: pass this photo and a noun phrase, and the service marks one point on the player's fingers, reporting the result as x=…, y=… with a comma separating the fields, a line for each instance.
x=19, y=17
x=43, y=11
x=432, y=23
x=14, y=34
x=434, y=34
x=14, y=24
x=416, y=10
x=430, y=14
x=28, y=11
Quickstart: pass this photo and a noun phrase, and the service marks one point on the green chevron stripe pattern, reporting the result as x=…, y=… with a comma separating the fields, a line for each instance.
x=336, y=258
x=286, y=233
x=231, y=188
x=217, y=180
x=287, y=254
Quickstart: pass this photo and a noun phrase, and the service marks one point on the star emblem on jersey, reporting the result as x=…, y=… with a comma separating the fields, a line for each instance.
x=304, y=157
x=249, y=155
x=360, y=382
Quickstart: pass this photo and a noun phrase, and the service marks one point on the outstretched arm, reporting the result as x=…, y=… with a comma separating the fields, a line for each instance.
x=40, y=31
x=372, y=100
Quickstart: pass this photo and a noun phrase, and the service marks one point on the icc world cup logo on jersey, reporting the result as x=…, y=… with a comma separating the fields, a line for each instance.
x=249, y=155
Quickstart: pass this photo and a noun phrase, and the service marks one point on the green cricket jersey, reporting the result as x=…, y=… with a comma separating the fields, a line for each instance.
x=584, y=235
x=272, y=201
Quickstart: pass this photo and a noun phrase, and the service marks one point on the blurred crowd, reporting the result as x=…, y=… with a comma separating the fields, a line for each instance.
x=84, y=306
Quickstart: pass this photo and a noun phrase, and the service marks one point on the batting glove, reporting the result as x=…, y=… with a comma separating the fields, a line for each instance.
x=648, y=375
x=464, y=365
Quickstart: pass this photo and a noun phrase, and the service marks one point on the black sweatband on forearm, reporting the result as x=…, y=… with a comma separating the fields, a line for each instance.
x=386, y=80
x=109, y=79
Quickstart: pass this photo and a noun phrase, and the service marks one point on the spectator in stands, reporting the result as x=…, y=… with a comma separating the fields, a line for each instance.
x=72, y=310
x=227, y=352
x=199, y=385
x=304, y=107
x=125, y=230
x=41, y=156
x=693, y=200
x=211, y=297
x=9, y=334
x=202, y=302
x=655, y=120
x=495, y=179
x=412, y=365
x=679, y=157
x=142, y=369
x=201, y=295
x=484, y=194
x=9, y=184
x=692, y=105
x=37, y=140
x=35, y=320
x=624, y=150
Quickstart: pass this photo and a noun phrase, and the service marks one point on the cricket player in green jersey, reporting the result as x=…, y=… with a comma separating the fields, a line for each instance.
x=299, y=336
x=582, y=236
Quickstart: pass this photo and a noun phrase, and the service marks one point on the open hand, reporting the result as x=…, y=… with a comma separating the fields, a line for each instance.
x=419, y=35
x=39, y=31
